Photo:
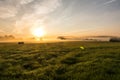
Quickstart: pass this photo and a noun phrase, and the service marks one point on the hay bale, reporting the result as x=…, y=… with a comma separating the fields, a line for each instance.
x=20, y=42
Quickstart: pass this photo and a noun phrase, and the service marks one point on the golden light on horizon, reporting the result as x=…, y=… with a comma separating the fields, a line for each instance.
x=38, y=32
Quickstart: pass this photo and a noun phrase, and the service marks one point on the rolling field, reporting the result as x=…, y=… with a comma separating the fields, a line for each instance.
x=60, y=61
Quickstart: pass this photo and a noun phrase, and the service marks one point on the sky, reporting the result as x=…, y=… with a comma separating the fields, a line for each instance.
x=60, y=17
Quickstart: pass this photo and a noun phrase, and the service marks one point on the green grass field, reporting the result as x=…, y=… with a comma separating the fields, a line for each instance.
x=60, y=61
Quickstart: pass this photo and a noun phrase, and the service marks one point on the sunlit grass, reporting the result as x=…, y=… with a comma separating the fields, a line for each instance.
x=60, y=61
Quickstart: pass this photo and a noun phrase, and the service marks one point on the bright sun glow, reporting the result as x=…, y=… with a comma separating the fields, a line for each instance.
x=38, y=32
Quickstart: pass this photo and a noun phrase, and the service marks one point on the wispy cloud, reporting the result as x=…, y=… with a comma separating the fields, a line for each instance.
x=7, y=9
x=109, y=2
x=25, y=1
x=10, y=8
x=37, y=15
x=27, y=13
x=46, y=6
x=2, y=32
x=6, y=12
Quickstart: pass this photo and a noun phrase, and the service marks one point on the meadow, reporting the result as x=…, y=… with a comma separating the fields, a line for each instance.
x=60, y=61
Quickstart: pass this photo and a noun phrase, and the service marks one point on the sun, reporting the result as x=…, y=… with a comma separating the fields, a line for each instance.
x=38, y=32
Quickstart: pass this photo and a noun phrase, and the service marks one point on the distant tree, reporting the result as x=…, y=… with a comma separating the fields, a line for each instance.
x=62, y=38
x=7, y=37
x=114, y=40
x=11, y=36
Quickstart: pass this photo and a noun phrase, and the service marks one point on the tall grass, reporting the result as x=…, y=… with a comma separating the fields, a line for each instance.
x=60, y=61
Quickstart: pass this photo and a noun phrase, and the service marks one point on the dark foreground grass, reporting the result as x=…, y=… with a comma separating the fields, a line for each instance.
x=60, y=61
